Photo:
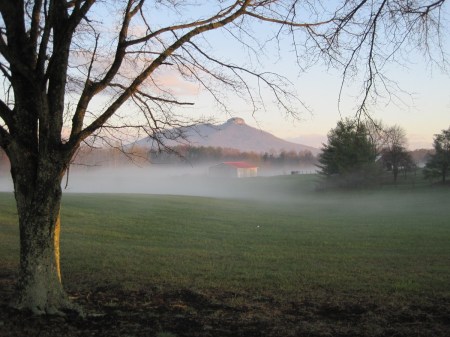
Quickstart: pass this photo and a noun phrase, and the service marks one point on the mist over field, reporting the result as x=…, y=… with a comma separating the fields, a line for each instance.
x=171, y=180
x=148, y=180
x=161, y=179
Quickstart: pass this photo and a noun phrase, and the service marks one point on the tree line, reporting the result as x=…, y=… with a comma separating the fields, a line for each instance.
x=89, y=157
x=358, y=153
x=210, y=154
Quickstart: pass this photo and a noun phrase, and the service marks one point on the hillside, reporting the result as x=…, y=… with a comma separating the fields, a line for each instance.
x=234, y=133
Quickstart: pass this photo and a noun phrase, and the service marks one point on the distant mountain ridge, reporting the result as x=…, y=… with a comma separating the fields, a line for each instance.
x=234, y=133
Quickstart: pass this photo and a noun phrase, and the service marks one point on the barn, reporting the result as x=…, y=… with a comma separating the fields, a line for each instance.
x=233, y=169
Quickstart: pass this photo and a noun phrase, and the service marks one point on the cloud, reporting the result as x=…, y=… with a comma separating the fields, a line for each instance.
x=173, y=82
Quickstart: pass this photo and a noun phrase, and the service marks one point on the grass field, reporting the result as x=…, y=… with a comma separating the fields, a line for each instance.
x=290, y=242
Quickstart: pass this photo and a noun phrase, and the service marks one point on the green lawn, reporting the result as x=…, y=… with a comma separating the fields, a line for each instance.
x=381, y=242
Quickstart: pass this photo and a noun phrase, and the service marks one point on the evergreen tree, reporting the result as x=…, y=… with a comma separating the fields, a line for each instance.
x=349, y=155
x=438, y=164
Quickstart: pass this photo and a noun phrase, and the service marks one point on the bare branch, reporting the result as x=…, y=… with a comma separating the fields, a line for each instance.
x=6, y=71
x=5, y=139
x=151, y=97
x=35, y=23
x=6, y=113
x=287, y=22
x=218, y=16
x=150, y=69
x=91, y=88
x=276, y=89
x=12, y=57
x=78, y=117
x=42, y=54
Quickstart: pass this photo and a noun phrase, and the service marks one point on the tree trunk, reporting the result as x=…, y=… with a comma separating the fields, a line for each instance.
x=395, y=172
x=38, y=198
x=444, y=173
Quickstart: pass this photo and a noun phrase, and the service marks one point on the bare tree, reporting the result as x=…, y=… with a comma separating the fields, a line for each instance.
x=67, y=75
x=394, y=153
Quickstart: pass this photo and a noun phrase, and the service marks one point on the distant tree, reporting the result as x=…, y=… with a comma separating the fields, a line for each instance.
x=377, y=132
x=209, y=154
x=395, y=156
x=420, y=156
x=438, y=164
x=349, y=156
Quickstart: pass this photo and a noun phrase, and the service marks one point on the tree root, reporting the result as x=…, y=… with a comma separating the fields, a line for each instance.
x=63, y=307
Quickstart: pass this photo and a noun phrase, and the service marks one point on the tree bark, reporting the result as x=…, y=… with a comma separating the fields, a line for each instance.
x=395, y=172
x=38, y=199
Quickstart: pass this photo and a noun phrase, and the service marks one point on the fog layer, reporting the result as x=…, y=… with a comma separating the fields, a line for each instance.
x=161, y=179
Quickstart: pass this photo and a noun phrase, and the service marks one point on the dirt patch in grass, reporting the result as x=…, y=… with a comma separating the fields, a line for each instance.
x=111, y=311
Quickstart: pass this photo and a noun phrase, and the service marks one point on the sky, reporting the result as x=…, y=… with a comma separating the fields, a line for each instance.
x=422, y=110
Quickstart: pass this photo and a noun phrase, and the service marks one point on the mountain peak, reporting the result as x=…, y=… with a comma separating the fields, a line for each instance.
x=235, y=134
x=236, y=120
